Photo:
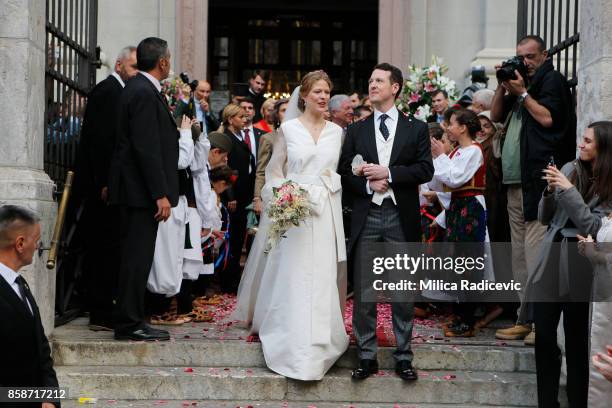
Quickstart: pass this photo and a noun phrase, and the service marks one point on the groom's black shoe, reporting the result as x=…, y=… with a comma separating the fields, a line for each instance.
x=405, y=371
x=366, y=368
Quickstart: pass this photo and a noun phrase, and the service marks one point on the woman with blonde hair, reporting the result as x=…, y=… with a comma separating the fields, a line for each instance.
x=267, y=112
x=291, y=296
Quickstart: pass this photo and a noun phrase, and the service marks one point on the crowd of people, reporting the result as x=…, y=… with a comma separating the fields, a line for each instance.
x=175, y=196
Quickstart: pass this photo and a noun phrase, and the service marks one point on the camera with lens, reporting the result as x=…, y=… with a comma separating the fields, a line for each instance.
x=192, y=84
x=506, y=72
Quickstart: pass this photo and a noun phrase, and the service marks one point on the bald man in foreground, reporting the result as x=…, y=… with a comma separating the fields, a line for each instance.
x=198, y=106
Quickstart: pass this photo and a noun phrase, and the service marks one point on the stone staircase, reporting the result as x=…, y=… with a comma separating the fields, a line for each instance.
x=213, y=365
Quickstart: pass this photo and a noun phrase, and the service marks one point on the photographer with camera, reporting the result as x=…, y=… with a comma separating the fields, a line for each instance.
x=535, y=103
x=198, y=105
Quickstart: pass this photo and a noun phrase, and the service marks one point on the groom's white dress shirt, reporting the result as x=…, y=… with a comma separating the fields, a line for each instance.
x=384, y=148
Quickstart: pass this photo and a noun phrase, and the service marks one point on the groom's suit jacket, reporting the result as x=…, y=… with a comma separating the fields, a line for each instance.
x=410, y=165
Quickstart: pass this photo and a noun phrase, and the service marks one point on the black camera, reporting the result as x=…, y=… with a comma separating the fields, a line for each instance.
x=506, y=72
x=185, y=78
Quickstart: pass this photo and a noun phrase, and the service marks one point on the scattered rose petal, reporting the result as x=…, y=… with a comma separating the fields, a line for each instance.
x=188, y=370
x=449, y=377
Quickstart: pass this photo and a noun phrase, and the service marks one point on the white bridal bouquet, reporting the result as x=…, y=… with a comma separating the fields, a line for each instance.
x=289, y=206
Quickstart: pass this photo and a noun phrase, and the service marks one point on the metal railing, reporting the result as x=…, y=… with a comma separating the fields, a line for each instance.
x=556, y=21
x=70, y=73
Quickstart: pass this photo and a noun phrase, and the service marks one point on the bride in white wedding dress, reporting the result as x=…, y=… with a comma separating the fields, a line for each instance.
x=292, y=296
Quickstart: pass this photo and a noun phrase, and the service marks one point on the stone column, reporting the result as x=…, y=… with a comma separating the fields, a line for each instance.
x=393, y=34
x=192, y=37
x=499, y=36
x=22, y=106
x=595, y=69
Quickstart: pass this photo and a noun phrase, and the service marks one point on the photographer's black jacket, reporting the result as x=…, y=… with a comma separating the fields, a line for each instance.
x=550, y=89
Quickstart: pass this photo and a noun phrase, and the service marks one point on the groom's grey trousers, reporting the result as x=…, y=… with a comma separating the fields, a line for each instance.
x=382, y=225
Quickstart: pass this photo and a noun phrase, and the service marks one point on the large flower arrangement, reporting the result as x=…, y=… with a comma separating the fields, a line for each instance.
x=415, y=99
x=172, y=88
x=288, y=207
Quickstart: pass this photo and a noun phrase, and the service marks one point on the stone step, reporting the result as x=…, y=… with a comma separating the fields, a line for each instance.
x=471, y=389
x=103, y=403
x=236, y=353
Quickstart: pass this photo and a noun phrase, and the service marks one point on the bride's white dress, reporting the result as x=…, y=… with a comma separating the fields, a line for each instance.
x=292, y=296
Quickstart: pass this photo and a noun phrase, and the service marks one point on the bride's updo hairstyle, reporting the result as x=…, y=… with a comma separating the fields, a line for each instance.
x=308, y=82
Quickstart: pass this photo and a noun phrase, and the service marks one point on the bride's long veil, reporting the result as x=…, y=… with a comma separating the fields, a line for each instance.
x=249, y=288
x=293, y=110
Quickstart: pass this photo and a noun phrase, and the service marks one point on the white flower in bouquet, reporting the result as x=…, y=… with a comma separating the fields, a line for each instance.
x=422, y=113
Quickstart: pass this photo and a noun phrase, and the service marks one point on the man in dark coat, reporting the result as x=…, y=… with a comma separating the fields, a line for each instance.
x=99, y=220
x=144, y=183
x=25, y=356
x=540, y=129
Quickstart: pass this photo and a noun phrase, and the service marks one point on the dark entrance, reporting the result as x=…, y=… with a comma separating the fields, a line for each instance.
x=291, y=38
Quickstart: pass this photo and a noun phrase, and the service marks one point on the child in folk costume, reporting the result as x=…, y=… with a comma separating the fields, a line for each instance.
x=463, y=173
x=434, y=203
x=211, y=153
x=166, y=272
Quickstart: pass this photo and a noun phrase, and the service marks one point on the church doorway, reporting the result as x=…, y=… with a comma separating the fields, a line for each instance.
x=289, y=39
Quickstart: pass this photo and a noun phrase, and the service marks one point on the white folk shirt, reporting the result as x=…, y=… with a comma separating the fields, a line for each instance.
x=457, y=171
x=10, y=276
x=384, y=148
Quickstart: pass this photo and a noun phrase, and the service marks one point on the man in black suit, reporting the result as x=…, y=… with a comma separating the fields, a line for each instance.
x=385, y=203
x=99, y=220
x=144, y=183
x=198, y=106
x=257, y=84
x=25, y=354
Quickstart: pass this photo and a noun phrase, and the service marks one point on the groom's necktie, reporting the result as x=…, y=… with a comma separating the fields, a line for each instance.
x=383, y=128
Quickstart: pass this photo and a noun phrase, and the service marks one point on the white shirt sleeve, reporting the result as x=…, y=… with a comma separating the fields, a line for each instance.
x=457, y=171
x=444, y=198
x=205, y=197
x=185, y=149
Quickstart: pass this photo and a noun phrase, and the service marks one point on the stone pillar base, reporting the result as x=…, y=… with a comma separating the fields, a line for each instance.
x=33, y=189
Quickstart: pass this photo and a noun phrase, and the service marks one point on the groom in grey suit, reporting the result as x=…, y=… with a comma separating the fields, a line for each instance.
x=384, y=192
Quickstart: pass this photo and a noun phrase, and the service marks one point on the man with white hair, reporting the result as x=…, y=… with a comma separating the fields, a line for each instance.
x=341, y=110
x=481, y=100
x=99, y=220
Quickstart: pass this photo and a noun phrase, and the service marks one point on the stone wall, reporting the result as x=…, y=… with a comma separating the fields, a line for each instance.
x=595, y=69
x=462, y=33
x=22, y=106
x=127, y=22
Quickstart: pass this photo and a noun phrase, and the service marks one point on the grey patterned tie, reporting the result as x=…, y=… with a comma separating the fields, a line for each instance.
x=383, y=128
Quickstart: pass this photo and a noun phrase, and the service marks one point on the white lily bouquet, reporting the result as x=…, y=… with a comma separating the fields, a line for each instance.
x=289, y=206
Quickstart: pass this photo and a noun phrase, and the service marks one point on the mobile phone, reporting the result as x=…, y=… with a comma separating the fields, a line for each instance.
x=552, y=161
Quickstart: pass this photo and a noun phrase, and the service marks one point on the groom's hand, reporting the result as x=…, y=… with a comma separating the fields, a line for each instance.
x=380, y=186
x=375, y=172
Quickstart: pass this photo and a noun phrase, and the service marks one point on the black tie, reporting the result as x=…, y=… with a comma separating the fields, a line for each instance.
x=23, y=291
x=383, y=128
